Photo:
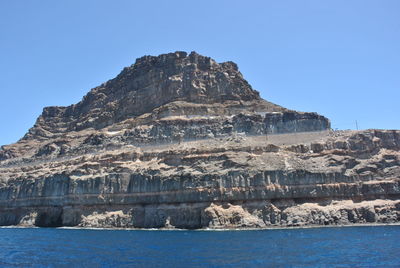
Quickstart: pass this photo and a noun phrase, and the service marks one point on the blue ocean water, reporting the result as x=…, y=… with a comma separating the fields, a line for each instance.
x=317, y=247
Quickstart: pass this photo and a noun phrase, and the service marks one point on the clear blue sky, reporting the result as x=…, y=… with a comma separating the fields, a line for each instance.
x=339, y=58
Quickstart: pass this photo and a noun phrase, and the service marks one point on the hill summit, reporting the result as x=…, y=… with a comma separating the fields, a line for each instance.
x=148, y=84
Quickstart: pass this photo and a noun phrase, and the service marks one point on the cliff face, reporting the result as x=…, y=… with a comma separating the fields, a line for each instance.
x=150, y=83
x=181, y=141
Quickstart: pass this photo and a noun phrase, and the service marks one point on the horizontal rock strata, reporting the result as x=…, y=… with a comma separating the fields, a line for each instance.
x=180, y=141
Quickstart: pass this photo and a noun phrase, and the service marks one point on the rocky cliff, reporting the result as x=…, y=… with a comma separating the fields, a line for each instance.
x=183, y=141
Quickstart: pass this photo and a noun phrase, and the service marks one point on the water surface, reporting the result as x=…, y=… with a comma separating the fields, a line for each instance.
x=318, y=247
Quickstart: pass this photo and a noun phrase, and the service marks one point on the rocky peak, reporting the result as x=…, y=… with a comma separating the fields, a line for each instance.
x=192, y=77
x=151, y=82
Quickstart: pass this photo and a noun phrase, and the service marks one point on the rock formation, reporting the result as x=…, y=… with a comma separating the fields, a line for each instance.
x=183, y=141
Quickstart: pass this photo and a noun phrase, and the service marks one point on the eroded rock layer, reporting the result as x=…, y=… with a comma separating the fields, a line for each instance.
x=181, y=141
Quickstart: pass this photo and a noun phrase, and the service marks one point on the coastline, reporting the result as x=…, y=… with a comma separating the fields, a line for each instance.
x=206, y=229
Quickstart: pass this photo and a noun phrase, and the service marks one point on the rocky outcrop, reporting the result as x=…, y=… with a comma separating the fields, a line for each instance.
x=180, y=141
x=148, y=84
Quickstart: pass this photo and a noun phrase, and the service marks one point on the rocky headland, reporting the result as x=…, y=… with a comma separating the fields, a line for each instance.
x=181, y=141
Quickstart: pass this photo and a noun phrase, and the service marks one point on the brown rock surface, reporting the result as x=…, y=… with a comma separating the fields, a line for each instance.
x=181, y=141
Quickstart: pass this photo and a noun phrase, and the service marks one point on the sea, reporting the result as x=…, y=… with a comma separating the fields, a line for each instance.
x=366, y=246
